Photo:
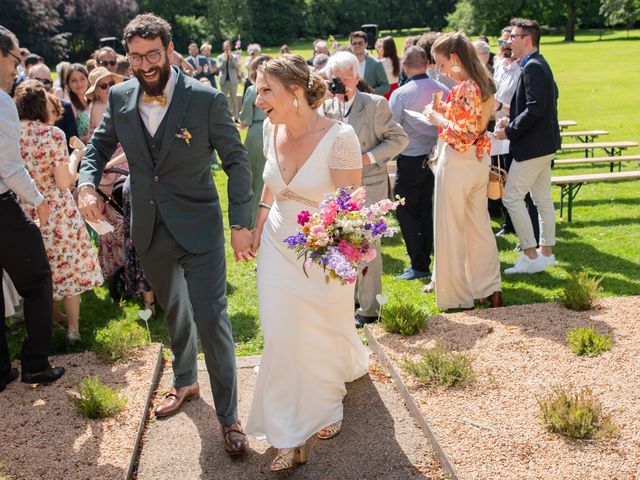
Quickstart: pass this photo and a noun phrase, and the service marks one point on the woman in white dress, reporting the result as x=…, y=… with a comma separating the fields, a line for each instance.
x=311, y=346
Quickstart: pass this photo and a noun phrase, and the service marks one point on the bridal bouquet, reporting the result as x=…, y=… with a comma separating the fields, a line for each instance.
x=342, y=233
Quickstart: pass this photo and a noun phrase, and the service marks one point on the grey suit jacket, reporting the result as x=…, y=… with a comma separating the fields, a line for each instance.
x=375, y=75
x=180, y=186
x=233, y=69
x=377, y=131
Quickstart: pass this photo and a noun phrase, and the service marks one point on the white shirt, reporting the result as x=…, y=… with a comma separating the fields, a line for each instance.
x=363, y=64
x=13, y=174
x=153, y=113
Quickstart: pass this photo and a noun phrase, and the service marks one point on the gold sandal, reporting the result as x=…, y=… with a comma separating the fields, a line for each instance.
x=330, y=431
x=288, y=457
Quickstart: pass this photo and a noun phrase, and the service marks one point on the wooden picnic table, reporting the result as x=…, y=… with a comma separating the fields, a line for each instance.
x=584, y=135
x=611, y=148
x=610, y=160
x=566, y=124
x=571, y=185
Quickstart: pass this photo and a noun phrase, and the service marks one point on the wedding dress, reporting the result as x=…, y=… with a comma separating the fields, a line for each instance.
x=311, y=347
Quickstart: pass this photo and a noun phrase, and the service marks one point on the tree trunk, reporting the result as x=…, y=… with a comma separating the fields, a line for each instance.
x=570, y=35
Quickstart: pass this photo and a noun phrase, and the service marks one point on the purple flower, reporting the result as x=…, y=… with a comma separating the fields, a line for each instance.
x=295, y=240
x=379, y=228
x=339, y=264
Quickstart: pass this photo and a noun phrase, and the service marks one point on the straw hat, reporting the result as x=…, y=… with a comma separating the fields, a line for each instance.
x=95, y=76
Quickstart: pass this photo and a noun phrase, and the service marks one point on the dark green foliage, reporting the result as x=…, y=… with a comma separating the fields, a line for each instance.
x=403, y=318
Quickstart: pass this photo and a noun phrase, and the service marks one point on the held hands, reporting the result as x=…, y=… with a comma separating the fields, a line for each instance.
x=242, y=244
x=90, y=204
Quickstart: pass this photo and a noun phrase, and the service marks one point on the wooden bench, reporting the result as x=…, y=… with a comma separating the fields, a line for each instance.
x=571, y=184
x=566, y=124
x=610, y=160
x=584, y=135
x=611, y=148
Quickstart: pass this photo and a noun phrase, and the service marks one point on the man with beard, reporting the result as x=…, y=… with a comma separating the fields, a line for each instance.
x=168, y=125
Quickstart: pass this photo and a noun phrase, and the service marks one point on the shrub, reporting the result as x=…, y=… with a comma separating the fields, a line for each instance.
x=440, y=367
x=580, y=291
x=403, y=318
x=575, y=414
x=97, y=400
x=117, y=339
x=585, y=341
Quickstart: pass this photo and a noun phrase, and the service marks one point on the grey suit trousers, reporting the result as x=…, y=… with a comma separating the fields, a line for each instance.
x=369, y=285
x=191, y=288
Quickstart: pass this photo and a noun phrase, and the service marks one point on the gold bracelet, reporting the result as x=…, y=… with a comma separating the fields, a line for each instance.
x=264, y=205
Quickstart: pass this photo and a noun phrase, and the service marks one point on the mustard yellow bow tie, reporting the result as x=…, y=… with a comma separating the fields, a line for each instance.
x=161, y=99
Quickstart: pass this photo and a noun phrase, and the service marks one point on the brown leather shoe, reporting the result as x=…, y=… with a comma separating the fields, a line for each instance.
x=235, y=440
x=173, y=400
x=495, y=299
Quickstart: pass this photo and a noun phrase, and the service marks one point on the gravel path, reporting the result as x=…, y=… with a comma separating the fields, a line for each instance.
x=490, y=429
x=379, y=440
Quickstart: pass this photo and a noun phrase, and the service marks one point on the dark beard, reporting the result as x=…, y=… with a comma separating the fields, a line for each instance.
x=158, y=87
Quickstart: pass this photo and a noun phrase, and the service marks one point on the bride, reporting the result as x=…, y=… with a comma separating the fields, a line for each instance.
x=311, y=347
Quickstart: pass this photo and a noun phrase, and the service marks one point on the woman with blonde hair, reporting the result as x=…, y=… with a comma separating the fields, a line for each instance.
x=311, y=348
x=467, y=266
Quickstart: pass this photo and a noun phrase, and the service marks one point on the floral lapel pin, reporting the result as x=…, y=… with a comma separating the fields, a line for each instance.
x=185, y=135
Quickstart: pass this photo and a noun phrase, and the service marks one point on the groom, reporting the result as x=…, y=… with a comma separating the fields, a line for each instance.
x=168, y=125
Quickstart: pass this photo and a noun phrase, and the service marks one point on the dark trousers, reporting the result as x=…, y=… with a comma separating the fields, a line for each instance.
x=495, y=205
x=192, y=291
x=415, y=182
x=23, y=257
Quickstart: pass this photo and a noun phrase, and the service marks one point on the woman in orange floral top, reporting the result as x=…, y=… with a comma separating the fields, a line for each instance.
x=467, y=266
x=73, y=261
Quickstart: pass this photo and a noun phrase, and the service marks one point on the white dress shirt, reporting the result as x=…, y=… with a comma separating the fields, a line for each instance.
x=153, y=113
x=13, y=175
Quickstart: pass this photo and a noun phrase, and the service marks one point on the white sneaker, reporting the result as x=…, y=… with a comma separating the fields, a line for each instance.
x=526, y=265
x=549, y=260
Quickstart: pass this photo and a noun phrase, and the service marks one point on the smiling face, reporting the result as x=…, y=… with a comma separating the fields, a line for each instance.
x=153, y=76
x=274, y=99
x=520, y=43
x=78, y=83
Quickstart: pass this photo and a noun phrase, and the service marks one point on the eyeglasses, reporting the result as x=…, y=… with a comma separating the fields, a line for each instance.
x=519, y=34
x=44, y=81
x=104, y=63
x=17, y=59
x=106, y=85
x=502, y=43
x=152, y=57
x=358, y=44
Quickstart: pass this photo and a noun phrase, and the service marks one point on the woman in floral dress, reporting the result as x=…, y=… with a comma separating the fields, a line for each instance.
x=74, y=263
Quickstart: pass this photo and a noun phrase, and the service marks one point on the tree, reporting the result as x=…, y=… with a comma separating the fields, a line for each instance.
x=620, y=12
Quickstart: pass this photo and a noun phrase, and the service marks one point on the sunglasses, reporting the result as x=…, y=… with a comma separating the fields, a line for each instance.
x=519, y=34
x=104, y=63
x=104, y=86
x=44, y=81
x=357, y=44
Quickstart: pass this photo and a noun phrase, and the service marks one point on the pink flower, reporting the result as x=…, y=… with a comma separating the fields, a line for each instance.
x=303, y=217
x=351, y=252
x=369, y=254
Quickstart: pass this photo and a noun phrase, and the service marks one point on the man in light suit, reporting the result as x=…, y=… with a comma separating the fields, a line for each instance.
x=168, y=125
x=369, y=69
x=228, y=67
x=381, y=139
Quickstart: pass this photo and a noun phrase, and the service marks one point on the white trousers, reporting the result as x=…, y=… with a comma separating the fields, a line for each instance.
x=467, y=265
x=533, y=175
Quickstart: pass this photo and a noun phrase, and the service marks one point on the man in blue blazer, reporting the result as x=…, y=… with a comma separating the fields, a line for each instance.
x=168, y=125
x=535, y=137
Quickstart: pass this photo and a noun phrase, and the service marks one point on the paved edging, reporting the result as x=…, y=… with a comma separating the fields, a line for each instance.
x=411, y=404
x=133, y=460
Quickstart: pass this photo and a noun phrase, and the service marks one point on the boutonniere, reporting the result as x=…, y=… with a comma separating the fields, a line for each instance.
x=185, y=135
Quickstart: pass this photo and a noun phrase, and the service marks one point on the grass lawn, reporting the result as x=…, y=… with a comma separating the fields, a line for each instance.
x=597, y=87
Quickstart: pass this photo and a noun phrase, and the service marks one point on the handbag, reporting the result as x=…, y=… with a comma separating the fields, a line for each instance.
x=497, y=179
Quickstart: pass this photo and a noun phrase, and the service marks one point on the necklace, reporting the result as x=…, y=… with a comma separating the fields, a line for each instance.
x=311, y=130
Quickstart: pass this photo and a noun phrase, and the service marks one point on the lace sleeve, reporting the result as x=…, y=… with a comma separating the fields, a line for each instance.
x=345, y=151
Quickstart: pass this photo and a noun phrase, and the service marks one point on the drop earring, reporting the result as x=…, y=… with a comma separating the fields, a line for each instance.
x=296, y=102
x=455, y=69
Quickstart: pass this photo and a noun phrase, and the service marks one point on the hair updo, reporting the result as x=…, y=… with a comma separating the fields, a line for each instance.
x=291, y=69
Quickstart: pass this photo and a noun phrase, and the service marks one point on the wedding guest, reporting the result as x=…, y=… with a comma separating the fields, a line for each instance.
x=320, y=61
x=284, y=49
x=211, y=67
x=371, y=70
x=414, y=181
x=253, y=50
x=381, y=139
x=228, y=67
x=467, y=266
x=197, y=61
x=67, y=120
x=534, y=138
x=100, y=82
x=54, y=109
x=311, y=348
x=252, y=117
x=483, y=50
x=177, y=60
x=74, y=264
x=107, y=58
x=22, y=253
x=77, y=83
x=391, y=64
x=426, y=42
x=320, y=47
